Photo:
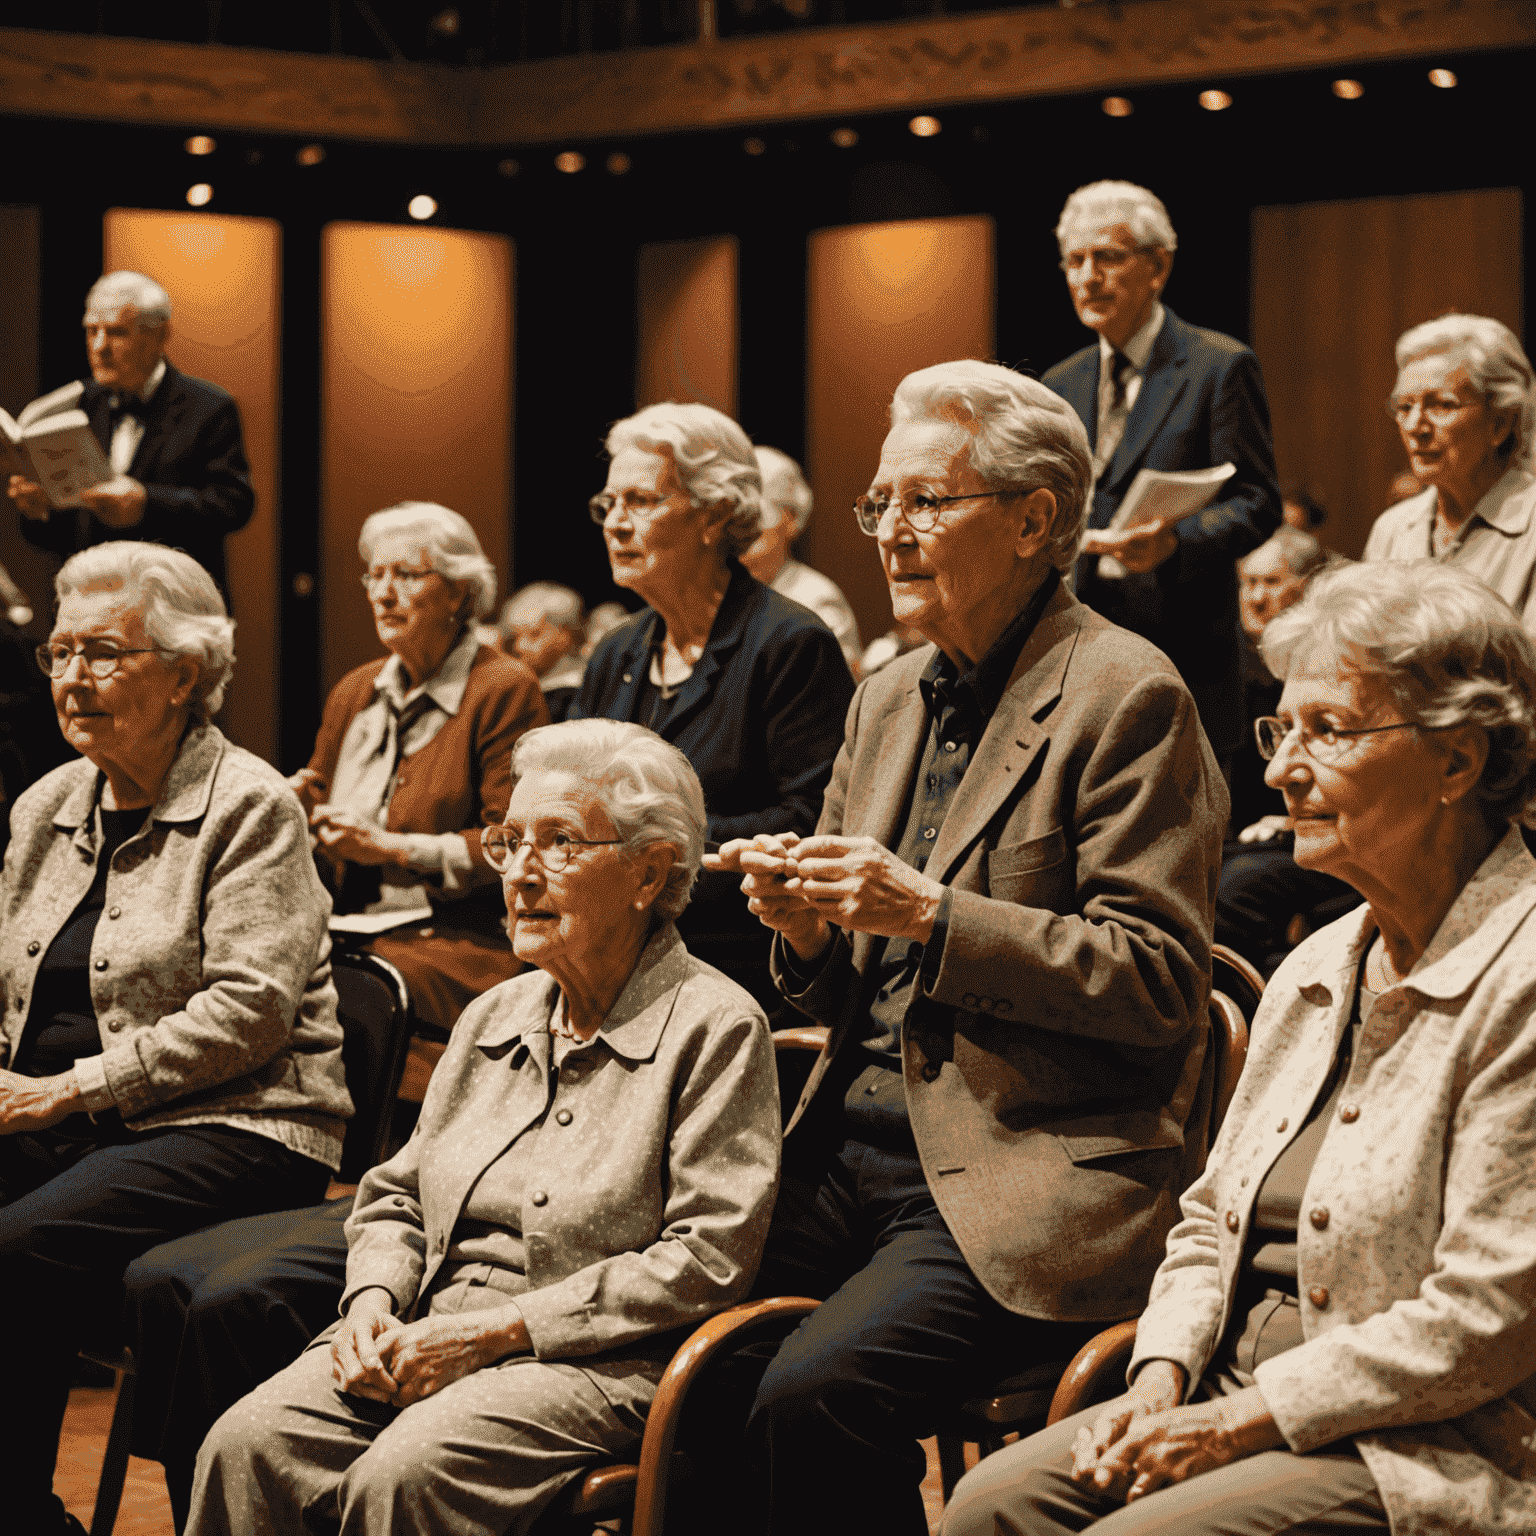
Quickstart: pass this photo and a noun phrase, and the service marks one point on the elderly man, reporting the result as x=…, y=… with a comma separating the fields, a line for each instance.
x=1156, y=393
x=544, y=625
x=1004, y=916
x=787, y=503
x=179, y=474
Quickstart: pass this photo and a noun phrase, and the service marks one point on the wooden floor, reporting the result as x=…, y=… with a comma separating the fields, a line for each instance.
x=146, y=1511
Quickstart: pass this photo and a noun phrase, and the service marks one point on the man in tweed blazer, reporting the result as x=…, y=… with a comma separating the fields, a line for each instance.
x=1005, y=919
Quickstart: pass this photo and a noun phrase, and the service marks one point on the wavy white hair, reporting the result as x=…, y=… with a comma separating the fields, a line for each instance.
x=109, y=293
x=784, y=486
x=1118, y=202
x=450, y=545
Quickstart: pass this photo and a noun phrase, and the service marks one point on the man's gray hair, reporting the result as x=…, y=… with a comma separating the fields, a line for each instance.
x=1496, y=363
x=784, y=486
x=111, y=293
x=714, y=461
x=646, y=785
x=1448, y=649
x=1118, y=202
x=1025, y=437
x=179, y=602
x=545, y=600
x=447, y=540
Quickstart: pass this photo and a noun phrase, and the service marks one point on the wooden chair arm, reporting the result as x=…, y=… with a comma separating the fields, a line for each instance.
x=1099, y=1364
x=734, y=1326
x=801, y=1037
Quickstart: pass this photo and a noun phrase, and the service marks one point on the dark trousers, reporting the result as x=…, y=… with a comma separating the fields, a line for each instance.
x=74, y=1210
x=213, y=1315
x=1262, y=888
x=905, y=1330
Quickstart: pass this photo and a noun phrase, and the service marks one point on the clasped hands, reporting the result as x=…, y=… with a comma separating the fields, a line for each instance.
x=1139, y=549
x=346, y=838
x=800, y=886
x=118, y=502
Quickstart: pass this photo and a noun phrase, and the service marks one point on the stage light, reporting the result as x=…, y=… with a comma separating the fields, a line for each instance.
x=1116, y=106
x=200, y=194
x=754, y=146
x=446, y=23
x=844, y=138
x=508, y=167
x=1444, y=78
x=925, y=127
x=618, y=163
x=421, y=206
x=200, y=144
x=570, y=161
x=1215, y=101
x=1348, y=90
x=311, y=154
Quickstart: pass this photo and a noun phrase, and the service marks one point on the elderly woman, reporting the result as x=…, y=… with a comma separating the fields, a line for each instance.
x=1343, y=1333
x=413, y=757
x=748, y=684
x=1465, y=404
x=593, y=1172
x=169, y=1041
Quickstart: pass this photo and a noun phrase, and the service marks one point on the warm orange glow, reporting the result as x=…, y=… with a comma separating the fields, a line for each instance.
x=508, y=167
x=311, y=154
x=421, y=206
x=1116, y=106
x=754, y=146
x=1215, y=101
x=618, y=163
x=1444, y=78
x=199, y=195
x=925, y=127
x=1348, y=90
x=200, y=144
x=570, y=162
x=844, y=138
x=686, y=322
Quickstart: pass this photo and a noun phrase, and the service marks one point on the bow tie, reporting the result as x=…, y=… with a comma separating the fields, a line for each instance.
x=119, y=406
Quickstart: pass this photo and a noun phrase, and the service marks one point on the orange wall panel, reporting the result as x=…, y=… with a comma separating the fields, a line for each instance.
x=416, y=392
x=686, y=321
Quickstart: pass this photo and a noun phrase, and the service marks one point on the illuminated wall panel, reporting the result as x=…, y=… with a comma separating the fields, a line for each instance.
x=882, y=299
x=416, y=400
x=687, y=332
x=223, y=278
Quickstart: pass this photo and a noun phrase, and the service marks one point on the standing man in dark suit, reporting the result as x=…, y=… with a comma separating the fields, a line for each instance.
x=1004, y=917
x=1156, y=393
x=179, y=471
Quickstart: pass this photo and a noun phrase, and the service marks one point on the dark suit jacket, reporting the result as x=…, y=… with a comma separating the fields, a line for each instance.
x=191, y=463
x=1054, y=1070
x=1201, y=403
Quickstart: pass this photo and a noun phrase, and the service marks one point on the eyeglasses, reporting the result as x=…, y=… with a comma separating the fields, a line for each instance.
x=641, y=508
x=552, y=848
x=102, y=658
x=1327, y=745
x=1107, y=258
x=917, y=509
x=401, y=576
x=1435, y=408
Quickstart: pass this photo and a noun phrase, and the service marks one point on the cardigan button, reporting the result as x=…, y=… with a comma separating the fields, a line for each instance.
x=114, y=1025
x=1318, y=1296
x=930, y=1071
x=1233, y=1221
x=563, y=1117
x=101, y=964
x=1349, y=1113
x=33, y=947
x=539, y=1197
x=1318, y=1216
x=115, y=912
x=1284, y=1124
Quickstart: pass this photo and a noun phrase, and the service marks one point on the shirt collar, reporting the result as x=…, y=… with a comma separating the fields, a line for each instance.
x=445, y=687
x=1139, y=347
x=152, y=383
x=987, y=681
x=1502, y=507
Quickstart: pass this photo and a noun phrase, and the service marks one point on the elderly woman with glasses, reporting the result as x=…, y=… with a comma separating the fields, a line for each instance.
x=1465, y=404
x=751, y=686
x=1342, y=1336
x=169, y=1049
x=593, y=1173
x=412, y=760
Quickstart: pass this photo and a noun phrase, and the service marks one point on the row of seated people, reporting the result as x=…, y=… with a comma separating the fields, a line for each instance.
x=1001, y=904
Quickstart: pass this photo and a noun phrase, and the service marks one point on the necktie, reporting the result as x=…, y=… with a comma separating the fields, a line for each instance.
x=1112, y=424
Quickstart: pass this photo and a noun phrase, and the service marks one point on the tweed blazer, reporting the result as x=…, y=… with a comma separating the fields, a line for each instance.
x=653, y=1177
x=210, y=969
x=1417, y=1265
x=1054, y=1068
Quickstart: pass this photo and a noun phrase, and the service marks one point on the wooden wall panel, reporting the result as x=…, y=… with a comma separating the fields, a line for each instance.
x=685, y=308
x=416, y=392
x=1334, y=286
x=881, y=300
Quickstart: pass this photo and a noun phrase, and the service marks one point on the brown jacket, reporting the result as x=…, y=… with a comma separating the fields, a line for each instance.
x=1053, y=1067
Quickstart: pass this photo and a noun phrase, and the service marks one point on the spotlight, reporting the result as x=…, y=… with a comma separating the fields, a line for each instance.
x=1116, y=106
x=570, y=162
x=508, y=167
x=1215, y=101
x=844, y=138
x=618, y=163
x=1348, y=90
x=925, y=127
x=1444, y=78
x=421, y=206
x=311, y=154
x=200, y=194
x=754, y=146
x=200, y=144
x=446, y=23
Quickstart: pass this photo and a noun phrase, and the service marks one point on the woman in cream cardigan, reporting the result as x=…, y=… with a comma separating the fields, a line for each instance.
x=1342, y=1336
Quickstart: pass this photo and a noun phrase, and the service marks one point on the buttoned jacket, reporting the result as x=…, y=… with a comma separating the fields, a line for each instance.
x=1416, y=1249
x=1053, y=1067
x=650, y=1185
x=210, y=971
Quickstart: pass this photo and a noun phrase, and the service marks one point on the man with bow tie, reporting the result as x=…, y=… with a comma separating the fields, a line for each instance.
x=1157, y=393
x=179, y=473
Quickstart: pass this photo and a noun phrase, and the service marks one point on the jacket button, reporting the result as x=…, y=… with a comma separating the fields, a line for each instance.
x=1318, y=1216
x=539, y=1197
x=1242, y=1183
x=1284, y=1125
x=33, y=947
x=115, y=912
x=1318, y=1296
x=114, y=1025
x=930, y=1071
x=563, y=1117
x=101, y=964
x=1233, y=1221
x=1349, y=1113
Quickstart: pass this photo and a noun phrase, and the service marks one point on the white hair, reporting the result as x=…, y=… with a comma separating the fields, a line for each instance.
x=1449, y=650
x=1118, y=202
x=1025, y=437
x=179, y=602
x=1303, y=554
x=714, y=462
x=646, y=785
x=545, y=600
x=111, y=293
x=447, y=541
x=1496, y=363
x=784, y=486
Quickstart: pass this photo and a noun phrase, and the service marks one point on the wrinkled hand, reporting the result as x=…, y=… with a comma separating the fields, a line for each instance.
x=29, y=498
x=118, y=502
x=351, y=839
x=35, y=1103
x=860, y=885
x=762, y=861
x=356, y=1365
x=1138, y=549
x=429, y=1354
x=309, y=787
x=1265, y=829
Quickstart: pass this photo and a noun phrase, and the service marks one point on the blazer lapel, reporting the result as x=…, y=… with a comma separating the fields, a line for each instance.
x=724, y=639
x=163, y=416
x=1161, y=386
x=633, y=666
x=1080, y=389
x=879, y=784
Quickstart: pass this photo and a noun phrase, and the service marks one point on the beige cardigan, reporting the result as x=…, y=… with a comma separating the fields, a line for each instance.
x=1417, y=1263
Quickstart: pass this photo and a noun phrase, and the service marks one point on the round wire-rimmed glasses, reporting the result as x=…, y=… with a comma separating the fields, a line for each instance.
x=917, y=509
x=101, y=657
x=553, y=848
x=1329, y=745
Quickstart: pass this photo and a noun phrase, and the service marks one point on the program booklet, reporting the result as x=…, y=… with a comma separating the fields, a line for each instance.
x=1162, y=493
x=51, y=442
